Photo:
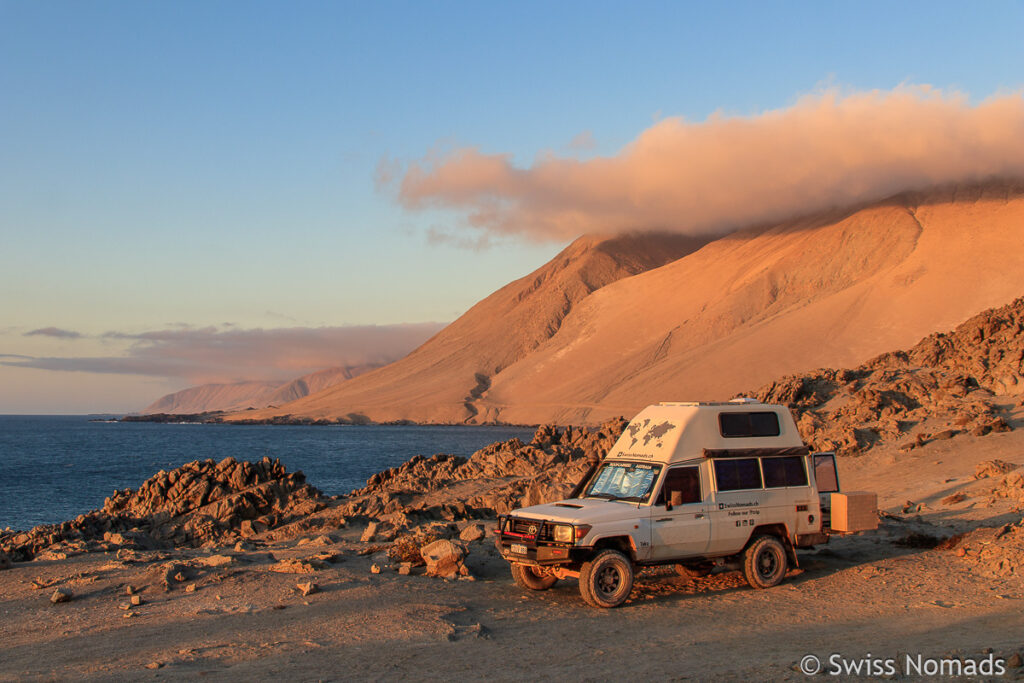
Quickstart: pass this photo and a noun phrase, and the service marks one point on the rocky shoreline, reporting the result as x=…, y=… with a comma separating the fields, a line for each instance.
x=217, y=417
x=206, y=504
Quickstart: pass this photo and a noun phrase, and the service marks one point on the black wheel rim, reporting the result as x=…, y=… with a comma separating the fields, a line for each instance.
x=767, y=564
x=608, y=581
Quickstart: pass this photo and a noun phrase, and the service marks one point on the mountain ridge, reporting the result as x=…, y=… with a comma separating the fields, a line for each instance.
x=829, y=290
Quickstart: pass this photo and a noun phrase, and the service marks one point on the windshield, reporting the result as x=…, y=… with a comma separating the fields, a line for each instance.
x=623, y=481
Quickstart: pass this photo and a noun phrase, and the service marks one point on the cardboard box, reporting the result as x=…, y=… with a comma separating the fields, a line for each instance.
x=855, y=511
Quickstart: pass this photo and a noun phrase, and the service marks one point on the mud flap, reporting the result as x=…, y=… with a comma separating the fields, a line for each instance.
x=794, y=563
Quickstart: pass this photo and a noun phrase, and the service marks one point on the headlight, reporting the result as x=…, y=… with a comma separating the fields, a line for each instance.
x=563, y=533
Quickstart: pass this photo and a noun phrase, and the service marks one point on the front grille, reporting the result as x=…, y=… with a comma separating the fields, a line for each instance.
x=529, y=528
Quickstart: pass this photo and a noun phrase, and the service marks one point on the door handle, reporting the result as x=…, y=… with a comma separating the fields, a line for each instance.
x=699, y=515
x=664, y=519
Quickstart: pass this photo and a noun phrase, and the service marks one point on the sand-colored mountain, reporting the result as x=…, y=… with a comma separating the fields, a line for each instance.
x=443, y=379
x=250, y=395
x=833, y=290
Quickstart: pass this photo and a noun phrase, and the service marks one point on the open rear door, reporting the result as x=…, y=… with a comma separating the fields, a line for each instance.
x=827, y=480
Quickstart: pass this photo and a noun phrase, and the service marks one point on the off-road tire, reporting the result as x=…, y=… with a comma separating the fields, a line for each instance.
x=606, y=580
x=532, y=578
x=691, y=571
x=764, y=562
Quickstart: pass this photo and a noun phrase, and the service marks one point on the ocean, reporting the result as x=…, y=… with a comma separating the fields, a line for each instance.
x=54, y=468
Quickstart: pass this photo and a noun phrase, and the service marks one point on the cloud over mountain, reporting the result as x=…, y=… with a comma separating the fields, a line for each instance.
x=827, y=149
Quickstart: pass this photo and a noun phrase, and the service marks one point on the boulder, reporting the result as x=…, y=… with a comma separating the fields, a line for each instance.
x=61, y=595
x=5, y=561
x=443, y=558
x=472, y=532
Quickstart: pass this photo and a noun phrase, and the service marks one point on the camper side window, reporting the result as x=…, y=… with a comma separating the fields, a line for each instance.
x=787, y=471
x=733, y=425
x=738, y=474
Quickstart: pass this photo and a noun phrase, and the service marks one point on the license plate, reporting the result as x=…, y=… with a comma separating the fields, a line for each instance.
x=518, y=548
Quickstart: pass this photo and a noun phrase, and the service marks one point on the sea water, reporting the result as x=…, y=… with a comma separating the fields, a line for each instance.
x=54, y=468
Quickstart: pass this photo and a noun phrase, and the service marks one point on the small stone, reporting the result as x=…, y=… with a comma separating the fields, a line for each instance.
x=375, y=568
x=1014, y=661
x=128, y=615
x=404, y=570
x=129, y=589
x=61, y=595
x=191, y=588
x=307, y=588
x=155, y=665
x=136, y=600
x=125, y=606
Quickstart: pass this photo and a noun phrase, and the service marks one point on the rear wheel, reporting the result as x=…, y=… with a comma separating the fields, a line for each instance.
x=606, y=580
x=764, y=562
x=532, y=578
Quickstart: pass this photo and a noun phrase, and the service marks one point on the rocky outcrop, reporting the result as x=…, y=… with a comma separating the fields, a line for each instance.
x=197, y=503
x=996, y=552
x=494, y=480
x=948, y=379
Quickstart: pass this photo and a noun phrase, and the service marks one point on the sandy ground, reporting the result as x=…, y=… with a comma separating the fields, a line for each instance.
x=860, y=595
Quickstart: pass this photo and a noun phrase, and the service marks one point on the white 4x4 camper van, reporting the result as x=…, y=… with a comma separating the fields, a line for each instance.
x=690, y=484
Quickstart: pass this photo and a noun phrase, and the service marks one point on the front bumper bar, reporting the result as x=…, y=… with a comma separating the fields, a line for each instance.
x=525, y=548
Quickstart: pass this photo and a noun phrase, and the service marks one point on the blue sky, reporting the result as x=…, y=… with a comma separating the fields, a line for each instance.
x=203, y=163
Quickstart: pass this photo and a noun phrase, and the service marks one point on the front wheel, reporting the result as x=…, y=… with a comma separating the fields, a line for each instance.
x=532, y=578
x=764, y=562
x=606, y=580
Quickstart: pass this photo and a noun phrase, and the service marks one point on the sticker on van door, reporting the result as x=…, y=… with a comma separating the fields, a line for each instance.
x=748, y=504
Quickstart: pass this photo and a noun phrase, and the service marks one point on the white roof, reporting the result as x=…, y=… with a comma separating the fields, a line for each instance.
x=675, y=432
